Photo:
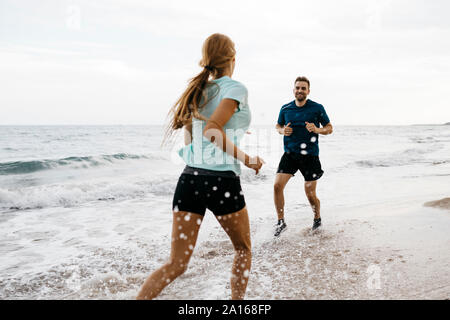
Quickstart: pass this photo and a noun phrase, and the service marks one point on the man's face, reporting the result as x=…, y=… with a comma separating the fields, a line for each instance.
x=301, y=90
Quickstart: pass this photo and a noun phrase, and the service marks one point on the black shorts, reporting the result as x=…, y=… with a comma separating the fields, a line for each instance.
x=308, y=165
x=196, y=193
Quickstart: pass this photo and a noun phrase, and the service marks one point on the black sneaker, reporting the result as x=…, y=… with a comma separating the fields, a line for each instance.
x=280, y=227
x=317, y=223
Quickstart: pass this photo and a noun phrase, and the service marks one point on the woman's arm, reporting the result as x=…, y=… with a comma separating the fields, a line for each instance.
x=213, y=131
x=188, y=133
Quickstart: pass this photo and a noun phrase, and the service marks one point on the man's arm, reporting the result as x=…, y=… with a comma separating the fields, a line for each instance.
x=284, y=130
x=279, y=128
x=327, y=129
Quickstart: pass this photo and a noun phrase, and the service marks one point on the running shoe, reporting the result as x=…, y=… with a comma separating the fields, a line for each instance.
x=280, y=227
x=317, y=223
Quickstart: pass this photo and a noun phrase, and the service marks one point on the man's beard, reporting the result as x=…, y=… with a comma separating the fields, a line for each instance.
x=300, y=98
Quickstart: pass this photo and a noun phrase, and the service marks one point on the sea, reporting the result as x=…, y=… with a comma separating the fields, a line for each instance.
x=85, y=213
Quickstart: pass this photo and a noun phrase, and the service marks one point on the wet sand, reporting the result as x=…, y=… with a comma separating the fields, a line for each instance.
x=380, y=251
x=441, y=204
x=378, y=257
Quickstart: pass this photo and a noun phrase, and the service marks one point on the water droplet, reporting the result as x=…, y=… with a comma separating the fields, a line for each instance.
x=199, y=221
x=176, y=209
x=227, y=194
x=214, y=188
x=313, y=139
x=195, y=173
x=303, y=145
x=304, y=152
x=187, y=217
x=246, y=273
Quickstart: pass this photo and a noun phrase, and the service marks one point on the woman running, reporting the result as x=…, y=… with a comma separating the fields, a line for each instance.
x=215, y=115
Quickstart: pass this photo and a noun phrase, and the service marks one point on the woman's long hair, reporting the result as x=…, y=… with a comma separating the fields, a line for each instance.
x=217, y=53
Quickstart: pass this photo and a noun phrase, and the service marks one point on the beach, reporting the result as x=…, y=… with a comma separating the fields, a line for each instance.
x=85, y=213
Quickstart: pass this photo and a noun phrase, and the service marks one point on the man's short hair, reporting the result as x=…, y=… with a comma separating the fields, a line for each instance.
x=305, y=79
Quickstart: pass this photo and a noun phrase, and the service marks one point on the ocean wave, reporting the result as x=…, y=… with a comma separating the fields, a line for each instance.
x=75, y=194
x=438, y=162
x=373, y=164
x=386, y=163
x=400, y=158
x=423, y=139
x=24, y=167
x=249, y=176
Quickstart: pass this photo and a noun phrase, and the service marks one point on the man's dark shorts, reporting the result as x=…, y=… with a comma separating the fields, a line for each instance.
x=308, y=165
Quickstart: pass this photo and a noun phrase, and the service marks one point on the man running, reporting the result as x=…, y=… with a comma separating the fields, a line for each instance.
x=299, y=122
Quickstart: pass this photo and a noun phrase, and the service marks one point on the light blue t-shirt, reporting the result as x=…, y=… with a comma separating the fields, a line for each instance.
x=201, y=153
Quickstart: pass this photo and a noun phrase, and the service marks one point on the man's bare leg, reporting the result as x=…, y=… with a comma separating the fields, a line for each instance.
x=281, y=180
x=310, y=190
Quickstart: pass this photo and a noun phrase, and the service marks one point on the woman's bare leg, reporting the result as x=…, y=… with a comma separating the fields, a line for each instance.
x=237, y=226
x=185, y=229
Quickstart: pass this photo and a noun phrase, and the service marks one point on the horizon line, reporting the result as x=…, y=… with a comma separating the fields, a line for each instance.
x=256, y=124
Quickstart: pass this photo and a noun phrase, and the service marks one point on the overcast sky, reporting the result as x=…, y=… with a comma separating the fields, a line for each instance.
x=127, y=61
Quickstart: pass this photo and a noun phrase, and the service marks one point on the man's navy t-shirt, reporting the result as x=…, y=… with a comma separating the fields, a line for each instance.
x=302, y=141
